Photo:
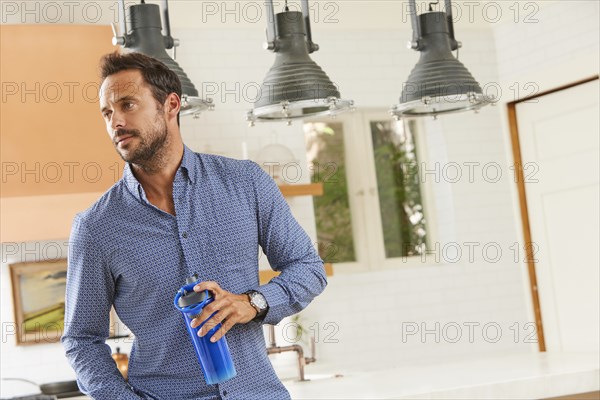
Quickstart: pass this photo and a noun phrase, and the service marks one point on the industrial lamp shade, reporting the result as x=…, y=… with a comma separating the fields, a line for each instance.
x=439, y=83
x=146, y=37
x=295, y=86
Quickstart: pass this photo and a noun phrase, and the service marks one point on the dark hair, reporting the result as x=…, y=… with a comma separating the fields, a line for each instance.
x=161, y=80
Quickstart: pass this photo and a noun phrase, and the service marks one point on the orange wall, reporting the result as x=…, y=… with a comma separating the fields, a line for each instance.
x=56, y=155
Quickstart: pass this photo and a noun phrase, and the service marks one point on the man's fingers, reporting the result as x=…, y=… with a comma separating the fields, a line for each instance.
x=221, y=307
x=227, y=309
x=225, y=327
x=227, y=316
x=213, y=313
x=212, y=322
x=209, y=285
x=206, y=316
x=227, y=322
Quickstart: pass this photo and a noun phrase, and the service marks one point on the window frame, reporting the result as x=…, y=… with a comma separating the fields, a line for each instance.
x=369, y=246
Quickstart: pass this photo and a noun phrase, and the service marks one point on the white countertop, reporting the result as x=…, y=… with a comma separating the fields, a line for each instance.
x=512, y=376
x=517, y=376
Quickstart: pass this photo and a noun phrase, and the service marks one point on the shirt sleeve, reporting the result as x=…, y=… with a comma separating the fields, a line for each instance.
x=289, y=251
x=89, y=295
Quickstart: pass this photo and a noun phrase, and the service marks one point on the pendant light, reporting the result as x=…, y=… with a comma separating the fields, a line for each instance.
x=439, y=83
x=295, y=87
x=146, y=37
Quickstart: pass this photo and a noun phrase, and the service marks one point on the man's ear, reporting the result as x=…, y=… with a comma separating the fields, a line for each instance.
x=172, y=105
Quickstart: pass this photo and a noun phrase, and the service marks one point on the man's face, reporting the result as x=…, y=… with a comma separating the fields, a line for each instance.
x=134, y=120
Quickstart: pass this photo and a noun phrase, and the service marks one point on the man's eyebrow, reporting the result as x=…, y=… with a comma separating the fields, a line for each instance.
x=120, y=100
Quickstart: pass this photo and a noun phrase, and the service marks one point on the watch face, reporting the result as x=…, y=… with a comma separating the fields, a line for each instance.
x=259, y=300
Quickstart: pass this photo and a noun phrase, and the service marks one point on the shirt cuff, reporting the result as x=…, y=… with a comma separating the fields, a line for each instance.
x=277, y=300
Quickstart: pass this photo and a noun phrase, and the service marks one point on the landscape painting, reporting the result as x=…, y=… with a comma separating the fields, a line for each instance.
x=39, y=300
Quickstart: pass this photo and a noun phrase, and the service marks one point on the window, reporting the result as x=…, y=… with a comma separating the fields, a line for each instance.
x=399, y=192
x=327, y=163
x=373, y=211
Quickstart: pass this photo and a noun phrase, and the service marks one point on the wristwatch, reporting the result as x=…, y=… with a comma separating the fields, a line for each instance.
x=258, y=301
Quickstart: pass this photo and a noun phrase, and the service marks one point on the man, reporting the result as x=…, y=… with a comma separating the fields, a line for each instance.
x=175, y=213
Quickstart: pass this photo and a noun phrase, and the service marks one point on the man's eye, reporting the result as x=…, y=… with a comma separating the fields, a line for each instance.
x=128, y=105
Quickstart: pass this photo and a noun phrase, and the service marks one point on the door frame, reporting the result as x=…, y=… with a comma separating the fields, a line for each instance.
x=520, y=182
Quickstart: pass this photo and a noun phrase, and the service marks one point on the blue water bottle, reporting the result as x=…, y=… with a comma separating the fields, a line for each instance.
x=215, y=358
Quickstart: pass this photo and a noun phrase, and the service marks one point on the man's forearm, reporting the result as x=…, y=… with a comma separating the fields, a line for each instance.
x=97, y=373
x=86, y=319
x=289, y=251
x=286, y=296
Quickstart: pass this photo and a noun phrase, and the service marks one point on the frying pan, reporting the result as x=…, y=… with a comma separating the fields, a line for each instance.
x=60, y=390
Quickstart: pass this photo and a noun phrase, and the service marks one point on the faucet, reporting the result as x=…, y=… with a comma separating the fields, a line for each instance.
x=302, y=361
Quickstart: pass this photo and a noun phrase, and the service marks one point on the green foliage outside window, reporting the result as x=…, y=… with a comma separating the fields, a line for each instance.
x=399, y=192
x=325, y=153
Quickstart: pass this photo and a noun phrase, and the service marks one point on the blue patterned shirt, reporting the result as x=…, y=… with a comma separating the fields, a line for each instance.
x=126, y=252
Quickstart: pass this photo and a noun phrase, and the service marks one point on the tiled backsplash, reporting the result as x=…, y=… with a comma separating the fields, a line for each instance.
x=427, y=313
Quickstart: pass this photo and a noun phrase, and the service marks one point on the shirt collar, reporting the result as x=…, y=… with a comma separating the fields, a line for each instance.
x=188, y=167
x=188, y=164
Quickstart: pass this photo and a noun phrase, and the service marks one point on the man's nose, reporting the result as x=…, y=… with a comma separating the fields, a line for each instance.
x=117, y=120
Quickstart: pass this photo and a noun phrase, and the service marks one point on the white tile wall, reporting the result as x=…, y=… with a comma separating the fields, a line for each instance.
x=372, y=310
x=560, y=48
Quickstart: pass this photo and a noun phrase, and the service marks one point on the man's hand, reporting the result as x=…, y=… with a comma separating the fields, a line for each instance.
x=232, y=309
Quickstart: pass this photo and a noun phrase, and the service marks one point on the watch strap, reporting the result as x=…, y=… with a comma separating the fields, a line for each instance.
x=260, y=312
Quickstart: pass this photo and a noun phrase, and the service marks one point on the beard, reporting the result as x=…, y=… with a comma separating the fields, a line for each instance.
x=149, y=152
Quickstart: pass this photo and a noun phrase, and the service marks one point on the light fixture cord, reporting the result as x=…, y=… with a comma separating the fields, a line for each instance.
x=287, y=8
x=430, y=5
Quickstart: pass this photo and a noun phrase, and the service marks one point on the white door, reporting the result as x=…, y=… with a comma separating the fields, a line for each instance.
x=558, y=135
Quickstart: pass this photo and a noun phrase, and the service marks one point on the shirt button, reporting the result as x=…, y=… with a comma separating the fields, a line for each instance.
x=184, y=234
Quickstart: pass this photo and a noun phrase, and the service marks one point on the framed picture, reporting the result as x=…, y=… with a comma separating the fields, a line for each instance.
x=39, y=300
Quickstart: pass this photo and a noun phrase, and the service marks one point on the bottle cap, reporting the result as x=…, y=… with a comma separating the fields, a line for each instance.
x=191, y=279
x=192, y=298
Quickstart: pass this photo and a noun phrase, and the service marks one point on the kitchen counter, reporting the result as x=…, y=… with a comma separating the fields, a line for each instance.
x=516, y=376
x=513, y=376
